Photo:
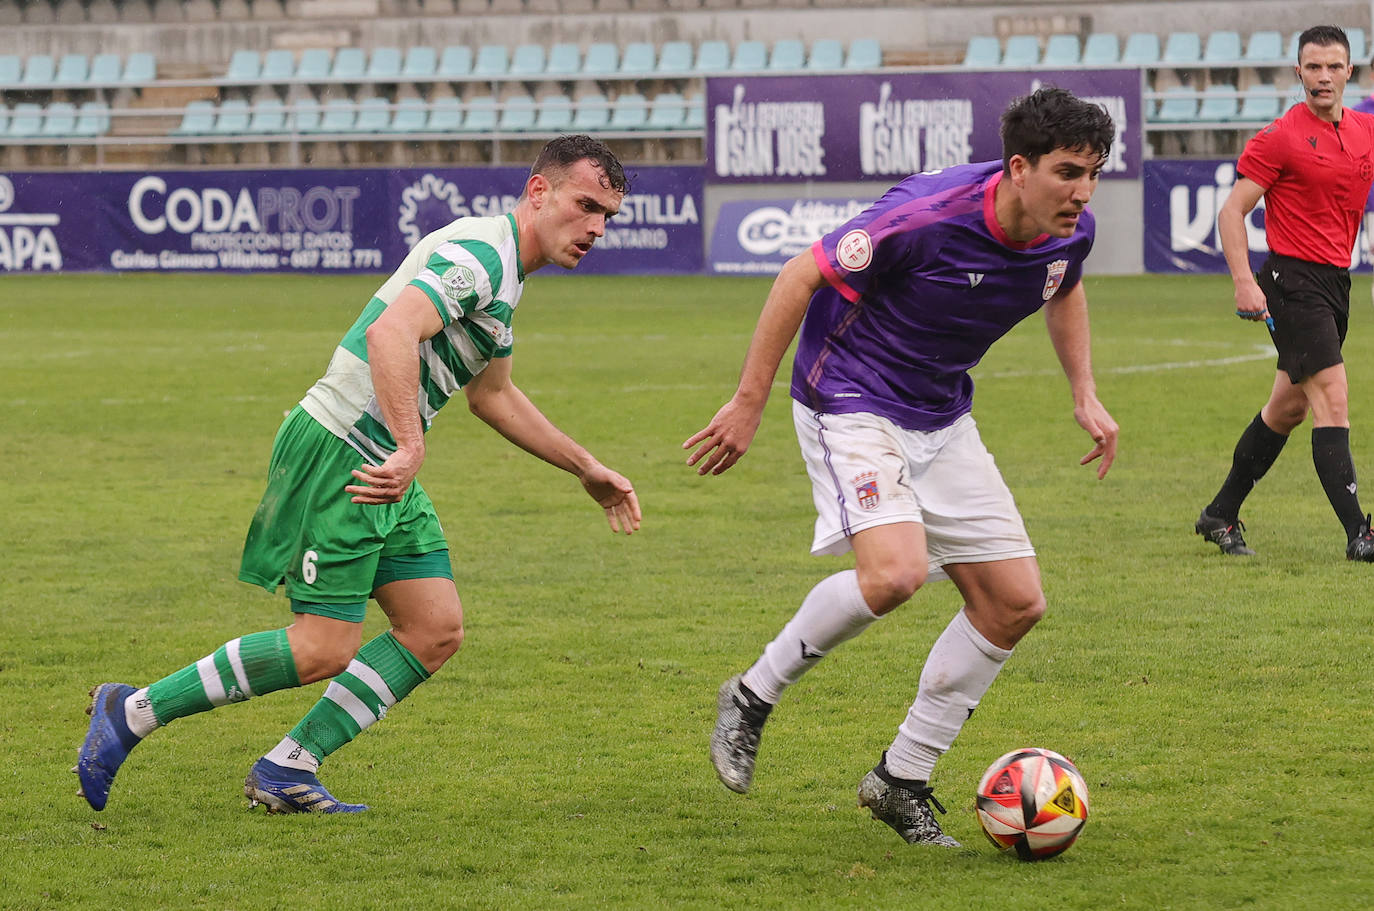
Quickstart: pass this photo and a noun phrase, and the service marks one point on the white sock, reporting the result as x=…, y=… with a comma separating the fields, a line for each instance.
x=960, y=668
x=138, y=714
x=833, y=612
x=292, y=755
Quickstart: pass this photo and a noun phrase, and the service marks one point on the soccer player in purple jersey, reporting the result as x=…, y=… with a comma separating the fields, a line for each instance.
x=894, y=308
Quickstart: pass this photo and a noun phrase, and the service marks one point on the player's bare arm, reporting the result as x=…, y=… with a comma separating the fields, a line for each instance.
x=393, y=354
x=723, y=441
x=507, y=410
x=1245, y=195
x=1066, y=318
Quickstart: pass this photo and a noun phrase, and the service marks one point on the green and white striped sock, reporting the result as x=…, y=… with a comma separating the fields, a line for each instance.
x=241, y=668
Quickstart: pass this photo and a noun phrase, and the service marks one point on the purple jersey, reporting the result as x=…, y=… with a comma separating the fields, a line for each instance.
x=920, y=286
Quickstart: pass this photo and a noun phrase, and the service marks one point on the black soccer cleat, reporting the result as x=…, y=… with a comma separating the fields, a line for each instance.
x=903, y=805
x=1227, y=535
x=1361, y=547
x=735, y=741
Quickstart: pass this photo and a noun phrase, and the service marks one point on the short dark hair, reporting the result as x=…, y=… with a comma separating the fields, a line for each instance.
x=560, y=154
x=1324, y=36
x=1053, y=118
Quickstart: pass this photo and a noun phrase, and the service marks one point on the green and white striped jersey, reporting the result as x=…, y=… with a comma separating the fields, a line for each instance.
x=470, y=269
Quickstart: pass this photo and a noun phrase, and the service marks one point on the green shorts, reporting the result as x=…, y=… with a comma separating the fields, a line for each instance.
x=330, y=552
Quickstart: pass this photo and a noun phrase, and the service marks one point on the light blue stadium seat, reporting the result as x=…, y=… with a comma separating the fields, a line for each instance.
x=269, y=116
x=1101, y=49
x=1061, y=50
x=630, y=111
x=350, y=63
x=39, y=69
x=675, y=58
x=826, y=54
x=983, y=52
x=1182, y=48
x=603, y=59
x=750, y=57
x=555, y=114
x=445, y=115
x=492, y=60
x=517, y=114
x=338, y=115
x=456, y=60
x=1223, y=46
x=198, y=119
x=1021, y=51
x=864, y=54
x=528, y=61
x=73, y=69
x=1219, y=103
x=11, y=68
x=788, y=54
x=233, y=116
x=422, y=61
x=638, y=59
x=1293, y=47
x=25, y=120
x=565, y=59
x=59, y=119
x=104, y=69
x=305, y=116
x=410, y=116
x=695, y=117
x=1260, y=103
x=385, y=63
x=374, y=115
x=314, y=65
x=591, y=113
x=713, y=56
x=1142, y=49
x=668, y=111
x=93, y=119
x=140, y=68
x=1359, y=52
x=278, y=66
x=1265, y=48
x=4, y=118
x=244, y=65
x=481, y=115
x=1179, y=105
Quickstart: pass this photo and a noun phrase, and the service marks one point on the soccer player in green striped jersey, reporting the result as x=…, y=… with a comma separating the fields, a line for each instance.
x=344, y=518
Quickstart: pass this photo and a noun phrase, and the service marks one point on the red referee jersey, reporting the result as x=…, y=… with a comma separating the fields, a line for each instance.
x=1316, y=177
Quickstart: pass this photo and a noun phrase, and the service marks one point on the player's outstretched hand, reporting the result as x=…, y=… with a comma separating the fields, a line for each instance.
x=616, y=495
x=1093, y=418
x=387, y=482
x=725, y=439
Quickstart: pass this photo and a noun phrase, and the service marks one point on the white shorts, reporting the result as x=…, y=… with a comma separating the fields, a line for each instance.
x=866, y=471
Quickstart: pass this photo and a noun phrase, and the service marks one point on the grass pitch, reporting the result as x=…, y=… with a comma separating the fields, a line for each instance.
x=1219, y=709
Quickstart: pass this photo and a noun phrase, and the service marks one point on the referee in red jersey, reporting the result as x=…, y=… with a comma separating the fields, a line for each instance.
x=1313, y=167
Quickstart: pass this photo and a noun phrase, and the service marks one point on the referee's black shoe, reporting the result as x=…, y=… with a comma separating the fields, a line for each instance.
x=1361, y=547
x=1227, y=535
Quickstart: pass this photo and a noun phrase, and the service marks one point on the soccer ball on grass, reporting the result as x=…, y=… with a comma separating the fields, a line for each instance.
x=1033, y=803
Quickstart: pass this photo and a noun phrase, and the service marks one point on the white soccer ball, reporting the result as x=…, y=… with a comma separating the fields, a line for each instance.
x=1033, y=803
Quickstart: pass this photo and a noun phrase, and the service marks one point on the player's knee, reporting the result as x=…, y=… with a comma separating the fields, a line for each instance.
x=447, y=638
x=1024, y=612
x=889, y=586
x=322, y=660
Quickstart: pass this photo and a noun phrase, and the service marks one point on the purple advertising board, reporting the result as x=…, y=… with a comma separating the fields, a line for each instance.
x=308, y=220
x=1181, y=201
x=886, y=126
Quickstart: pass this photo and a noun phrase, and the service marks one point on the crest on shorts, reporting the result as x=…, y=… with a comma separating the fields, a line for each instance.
x=866, y=489
x=1054, y=278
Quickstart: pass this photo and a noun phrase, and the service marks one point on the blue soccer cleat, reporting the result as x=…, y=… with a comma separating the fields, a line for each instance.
x=108, y=743
x=285, y=790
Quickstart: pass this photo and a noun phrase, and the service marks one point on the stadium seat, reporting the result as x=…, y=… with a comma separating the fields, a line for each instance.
x=233, y=116
x=1021, y=51
x=750, y=57
x=788, y=54
x=384, y=64
x=1359, y=53
x=864, y=54
x=314, y=65
x=1182, y=48
x=39, y=69
x=1261, y=103
x=712, y=57
x=492, y=60
x=528, y=61
x=421, y=62
x=826, y=54
x=1142, y=49
x=59, y=119
x=350, y=63
x=1219, y=103
x=140, y=68
x=602, y=59
x=4, y=118
x=25, y=120
x=1061, y=50
x=244, y=66
x=73, y=69
x=675, y=59
x=591, y=113
x=1293, y=47
x=374, y=115
x=668, y=111
x=11, y=67
x=305, y=115
x=278, y=66
x=695, y=117
x=445, y=115
x=93, y=119
x=555, y=114
x=269, y=116
x=517, y=114
x=638, y=59
x=198, y=119
x=1265, y=48
x=409, y=117
x=338, y=115
x=565, y=59
x=630, y=111
x=1223, y=47
x=481, y=115
x=1101, y=49
x=983, y=52
x=456, y=60
x=1179, y=105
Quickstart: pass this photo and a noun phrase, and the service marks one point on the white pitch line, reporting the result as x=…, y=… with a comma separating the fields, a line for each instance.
x=1261, y=352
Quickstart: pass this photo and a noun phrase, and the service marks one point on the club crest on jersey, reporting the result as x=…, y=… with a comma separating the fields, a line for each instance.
x=1054, y=278
x=866, y=489
x=855, y=250
x=459, y=283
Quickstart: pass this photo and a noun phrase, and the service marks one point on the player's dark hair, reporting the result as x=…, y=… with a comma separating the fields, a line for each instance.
x=559, y=155
x=1324, y=36
x=1052, y=118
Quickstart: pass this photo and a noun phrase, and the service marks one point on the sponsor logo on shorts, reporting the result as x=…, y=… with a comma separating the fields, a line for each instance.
x=1054, y=278
x=866, y=489
x=855, y=250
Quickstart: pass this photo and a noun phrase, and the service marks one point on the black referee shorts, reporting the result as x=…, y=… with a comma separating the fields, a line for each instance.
x=1310, y=304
